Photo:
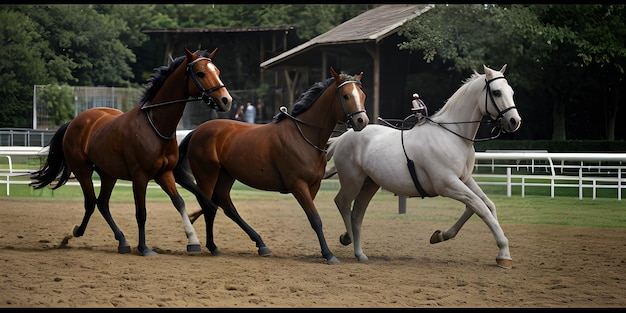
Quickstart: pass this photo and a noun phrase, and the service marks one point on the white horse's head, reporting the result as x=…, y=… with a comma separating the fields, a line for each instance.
x=499, y=104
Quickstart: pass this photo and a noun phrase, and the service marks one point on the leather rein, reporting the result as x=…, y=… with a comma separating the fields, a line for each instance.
x=205, y=96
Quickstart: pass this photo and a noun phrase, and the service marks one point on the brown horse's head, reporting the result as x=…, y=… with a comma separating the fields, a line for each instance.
x=205, y=81
x=352, y=99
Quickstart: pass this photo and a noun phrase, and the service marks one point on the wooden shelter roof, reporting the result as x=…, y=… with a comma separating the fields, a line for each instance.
x=373, y=25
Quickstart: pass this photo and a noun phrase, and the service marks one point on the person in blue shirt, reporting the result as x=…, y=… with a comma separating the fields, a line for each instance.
x=249, y=115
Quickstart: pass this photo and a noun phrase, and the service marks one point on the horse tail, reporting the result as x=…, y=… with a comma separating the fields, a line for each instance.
x=182, y=172
x=184, y=177
x=330, y=147
x=55, y=167
x=330, y=150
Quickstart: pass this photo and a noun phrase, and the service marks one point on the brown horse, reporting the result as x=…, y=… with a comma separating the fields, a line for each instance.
x=286, y=155
x=138, y=145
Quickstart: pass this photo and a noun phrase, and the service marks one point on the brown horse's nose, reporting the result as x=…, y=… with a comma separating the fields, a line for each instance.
x=360, y=121
x=225, y=100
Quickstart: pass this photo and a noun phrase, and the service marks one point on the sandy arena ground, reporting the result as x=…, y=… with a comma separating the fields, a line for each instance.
x=553, y=266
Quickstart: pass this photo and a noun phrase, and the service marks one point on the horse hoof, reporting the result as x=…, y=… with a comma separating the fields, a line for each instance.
x=503, y=263
x=75, y=231
x=345, y=239
x=437, y=237
x=146, y=252
x=65, y=241
x=264, y=251
x=194, y=248
x=363, y=259
x=333, y=260
x=216, y=252
x=123, y=249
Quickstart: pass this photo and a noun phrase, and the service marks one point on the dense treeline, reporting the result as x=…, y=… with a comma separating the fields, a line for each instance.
x=565, y=61
x=98, y=45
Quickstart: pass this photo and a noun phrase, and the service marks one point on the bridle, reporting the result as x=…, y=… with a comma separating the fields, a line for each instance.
x=348, y=115
x=205, y=96
x=490, y=120
x=493, y=101
x=343, y=102
x=205, y=92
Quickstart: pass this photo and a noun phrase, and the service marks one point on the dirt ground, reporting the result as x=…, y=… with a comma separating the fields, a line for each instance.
x=553, y=266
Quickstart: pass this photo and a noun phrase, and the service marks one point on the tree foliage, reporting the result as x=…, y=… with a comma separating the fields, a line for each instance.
x=557, y=50
x=567, y=60
x=22, y=65
x=60, y=102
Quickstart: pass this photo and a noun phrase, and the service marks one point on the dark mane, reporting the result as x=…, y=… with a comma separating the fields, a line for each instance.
x=160, y=74
x=308, y=97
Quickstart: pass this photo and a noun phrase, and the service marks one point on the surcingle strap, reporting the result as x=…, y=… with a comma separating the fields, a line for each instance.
x=416, y=182
x=411, y=165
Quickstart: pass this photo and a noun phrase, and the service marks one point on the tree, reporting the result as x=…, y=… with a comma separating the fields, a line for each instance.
x=88, y=41
x=23, y=56
x=60, y=102
x=557, y=50
x=590, y=44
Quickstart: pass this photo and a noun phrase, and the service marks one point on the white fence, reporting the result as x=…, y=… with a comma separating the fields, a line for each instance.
x=552, y=170
x=20, y=153
x=513, y=168
x=584, y=171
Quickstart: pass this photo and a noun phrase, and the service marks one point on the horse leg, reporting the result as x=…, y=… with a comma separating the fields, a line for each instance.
x=344, y=202
x=451, y=232
x=139, y=191
x=439, y=236
x=471, y=183
x=349, y=188
x=168, y=185
x=209, y=211
x=89, y=194
x=303, y=196
x=222, y=197
x=106, y=188
x=461, y=192
x=231, y=212
x=368, y=190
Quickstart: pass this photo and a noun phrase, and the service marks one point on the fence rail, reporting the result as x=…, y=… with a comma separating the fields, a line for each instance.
x=585, y=171
x=524, y=169
x=519, y=168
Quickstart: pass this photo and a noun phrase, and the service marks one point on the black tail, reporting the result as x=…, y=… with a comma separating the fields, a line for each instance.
x=54, y=168
x=184, y=177
x=182, y=171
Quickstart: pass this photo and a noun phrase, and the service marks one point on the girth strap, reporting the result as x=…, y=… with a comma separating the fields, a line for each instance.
x=411, y=165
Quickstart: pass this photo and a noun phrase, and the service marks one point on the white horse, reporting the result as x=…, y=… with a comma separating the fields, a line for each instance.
x=441, y=151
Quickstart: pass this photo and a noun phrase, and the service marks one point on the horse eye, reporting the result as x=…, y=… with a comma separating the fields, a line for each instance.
x=497, y=93
x=200, y=74
x=346, y=97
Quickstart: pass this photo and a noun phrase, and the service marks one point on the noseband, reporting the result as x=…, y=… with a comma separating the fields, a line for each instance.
x=296, y=120
x=493, y=101
x=343, y=102
x=205, y=97
x=205, y=92
x=491, y=120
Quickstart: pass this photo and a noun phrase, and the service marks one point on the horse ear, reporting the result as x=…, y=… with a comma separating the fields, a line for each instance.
x=488, y=72
x=188, y=53
x=212, y=53
x=503, y=69
x=358, y=77
x=332, y=72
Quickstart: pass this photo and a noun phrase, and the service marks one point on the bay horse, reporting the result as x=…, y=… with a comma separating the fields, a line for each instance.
x=139, y=145
x=433, y=158
x=286, y=155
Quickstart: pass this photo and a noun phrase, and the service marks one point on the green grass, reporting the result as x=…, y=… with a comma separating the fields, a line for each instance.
x=531, y=209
